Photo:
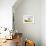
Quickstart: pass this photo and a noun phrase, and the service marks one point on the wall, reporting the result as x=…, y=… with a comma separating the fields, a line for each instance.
x=6, y=13
x=30, y=31
x=43, y=22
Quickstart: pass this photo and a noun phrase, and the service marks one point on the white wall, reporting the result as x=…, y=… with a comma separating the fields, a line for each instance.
x=43, y=22
x=29, y=7
x=6, y=13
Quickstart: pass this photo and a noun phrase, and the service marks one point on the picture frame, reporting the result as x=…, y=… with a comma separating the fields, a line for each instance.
x=28, y=19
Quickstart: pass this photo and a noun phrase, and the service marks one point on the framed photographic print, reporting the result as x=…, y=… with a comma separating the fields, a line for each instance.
x=28, y=19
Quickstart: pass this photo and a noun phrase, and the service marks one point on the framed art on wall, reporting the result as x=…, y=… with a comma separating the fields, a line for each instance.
x=28, y=19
